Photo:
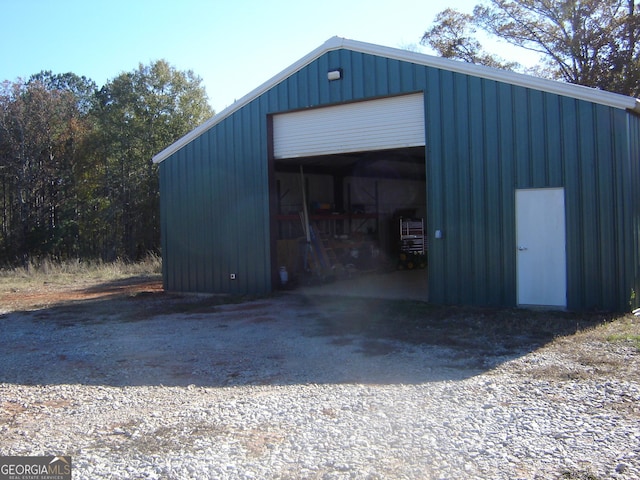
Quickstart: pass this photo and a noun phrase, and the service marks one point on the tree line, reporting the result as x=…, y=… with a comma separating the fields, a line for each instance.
x=76, y=176
x=595, y=43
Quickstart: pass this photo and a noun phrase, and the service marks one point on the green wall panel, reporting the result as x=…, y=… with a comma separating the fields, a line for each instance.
x=630, y=199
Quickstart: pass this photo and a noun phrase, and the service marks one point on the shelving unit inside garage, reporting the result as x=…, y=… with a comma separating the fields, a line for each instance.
x=413, y=243
x=352, y=230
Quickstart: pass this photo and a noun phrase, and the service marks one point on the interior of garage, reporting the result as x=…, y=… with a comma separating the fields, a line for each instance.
x=353, y=223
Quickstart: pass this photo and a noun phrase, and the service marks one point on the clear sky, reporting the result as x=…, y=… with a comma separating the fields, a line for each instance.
x=233, y=45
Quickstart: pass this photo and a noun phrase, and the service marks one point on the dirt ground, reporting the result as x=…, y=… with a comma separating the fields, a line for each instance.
x=584, y=345
x=47, y=294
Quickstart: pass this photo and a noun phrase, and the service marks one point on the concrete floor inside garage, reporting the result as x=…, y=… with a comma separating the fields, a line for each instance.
x=400, y=285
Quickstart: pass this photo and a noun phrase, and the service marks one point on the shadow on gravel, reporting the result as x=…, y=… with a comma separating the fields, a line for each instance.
x=127, y=286
x=145, y=337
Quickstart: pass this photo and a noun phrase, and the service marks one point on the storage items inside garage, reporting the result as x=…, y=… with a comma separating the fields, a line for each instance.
x=358, y=219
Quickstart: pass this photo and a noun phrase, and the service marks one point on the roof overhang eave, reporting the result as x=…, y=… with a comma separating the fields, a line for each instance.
x=333, y=43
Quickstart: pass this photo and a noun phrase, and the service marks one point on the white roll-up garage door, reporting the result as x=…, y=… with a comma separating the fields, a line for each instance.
x=393, y=122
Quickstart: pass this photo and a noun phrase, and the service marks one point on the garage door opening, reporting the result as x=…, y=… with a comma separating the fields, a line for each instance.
x=349, y=197
x=363, y=232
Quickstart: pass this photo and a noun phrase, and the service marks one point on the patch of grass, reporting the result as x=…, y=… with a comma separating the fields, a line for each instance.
x=577, y=475
x=35, y=273
x=610, y=348
x=625, y=338
x=624, y=330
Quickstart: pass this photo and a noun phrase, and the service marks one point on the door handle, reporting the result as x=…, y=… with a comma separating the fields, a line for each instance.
x=522, y=249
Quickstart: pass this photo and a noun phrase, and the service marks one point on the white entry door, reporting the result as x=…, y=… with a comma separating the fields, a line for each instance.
x=541, y=244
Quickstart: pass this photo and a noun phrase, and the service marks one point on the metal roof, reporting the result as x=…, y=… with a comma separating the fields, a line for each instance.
x=336, y=43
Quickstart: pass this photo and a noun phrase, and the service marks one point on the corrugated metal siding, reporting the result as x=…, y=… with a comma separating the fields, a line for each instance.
x=214, y=213
x=495, y=138
x=630, y=245
x=484, y=139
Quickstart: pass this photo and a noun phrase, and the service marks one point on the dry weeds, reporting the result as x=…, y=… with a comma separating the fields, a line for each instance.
x=72, y=273
x=47, y=283
x=609, y=349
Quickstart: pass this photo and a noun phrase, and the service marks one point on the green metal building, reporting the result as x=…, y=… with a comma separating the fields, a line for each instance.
x=530, y=188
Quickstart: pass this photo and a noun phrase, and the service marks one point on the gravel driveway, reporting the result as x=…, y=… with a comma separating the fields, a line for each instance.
x=167, y=387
